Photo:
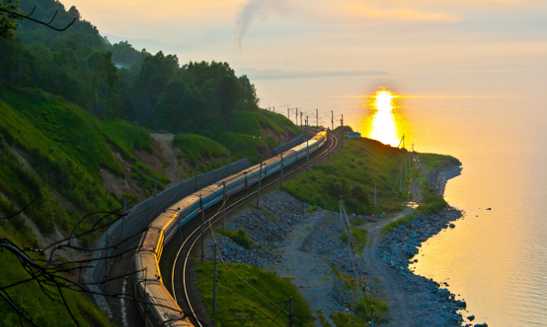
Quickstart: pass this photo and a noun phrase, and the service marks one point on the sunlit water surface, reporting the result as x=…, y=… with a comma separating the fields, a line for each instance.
x=495, y=259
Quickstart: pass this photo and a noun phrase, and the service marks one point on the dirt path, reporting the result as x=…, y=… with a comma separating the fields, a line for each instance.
x=164, y=141
x=390, y=285
x=310, y=272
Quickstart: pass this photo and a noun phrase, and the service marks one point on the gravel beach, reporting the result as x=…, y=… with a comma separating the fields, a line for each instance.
x=305, y=244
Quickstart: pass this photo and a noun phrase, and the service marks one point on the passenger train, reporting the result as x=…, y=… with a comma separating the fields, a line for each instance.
x=156, y=304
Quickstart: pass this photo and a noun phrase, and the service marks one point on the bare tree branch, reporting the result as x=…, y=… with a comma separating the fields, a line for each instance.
x=29, y=17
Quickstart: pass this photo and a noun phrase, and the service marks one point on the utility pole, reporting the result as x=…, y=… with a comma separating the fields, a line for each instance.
x=215, y=281
x=332, y=120
x=316, y=117
x=307, y=121
x=106, y=265
x=345, y=219
x=291, y=313
x=301, y=113
x=296, y=116
x=282, y=170
x=289, y=113
x=224, y=201
x=342, y=120
x=375, y=196
x=259, y=186
x=202, y=245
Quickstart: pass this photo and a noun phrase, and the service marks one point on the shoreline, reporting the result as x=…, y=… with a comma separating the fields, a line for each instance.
x=433, y=303
x=291, y=233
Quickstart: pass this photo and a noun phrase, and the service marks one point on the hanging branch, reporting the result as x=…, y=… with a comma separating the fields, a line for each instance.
x=18, y=212
x=29, y=17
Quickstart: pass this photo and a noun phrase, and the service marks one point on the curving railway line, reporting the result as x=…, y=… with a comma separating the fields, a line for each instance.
x=166, y=249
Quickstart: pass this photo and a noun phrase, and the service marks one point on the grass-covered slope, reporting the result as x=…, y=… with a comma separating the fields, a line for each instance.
x=355, y=173
x=369, y=176
x=201, y=152
x=251, y=134
x=54, y=156
x=53, y=153
x=42, y=310
x=248, y=296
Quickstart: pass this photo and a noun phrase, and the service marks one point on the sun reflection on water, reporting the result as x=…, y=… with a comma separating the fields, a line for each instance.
x=384, y=124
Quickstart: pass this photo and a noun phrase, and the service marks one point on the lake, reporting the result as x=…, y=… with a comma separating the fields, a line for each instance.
x=494, y=259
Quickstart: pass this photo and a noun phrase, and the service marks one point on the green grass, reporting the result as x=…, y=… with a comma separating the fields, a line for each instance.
x=254, y=122
x=244, y=145
x=55, y=168
x=73, y=130
x=432, y=161
x=368, y=309
x=52, y=153
x=248, y=296
x=251, y=134
x=42, y=310
x=399, y=222
x=352, y=174
x=359, y=238
x=65, y=148
x=361, y=169
x=201, y=152
x=432, y=204
x=240, y=237
x=126, y=136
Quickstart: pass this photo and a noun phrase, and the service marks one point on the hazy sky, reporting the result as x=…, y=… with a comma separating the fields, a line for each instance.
x=326, y=53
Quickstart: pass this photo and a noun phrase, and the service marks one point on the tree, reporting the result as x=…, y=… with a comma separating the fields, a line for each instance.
x=7, y=22
x=229, y=93
x=156, y=73
x=103, y=82
x=249, y=100
x=179, y=108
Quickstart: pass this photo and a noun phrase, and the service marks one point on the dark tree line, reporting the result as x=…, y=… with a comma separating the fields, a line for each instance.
x=116, y=81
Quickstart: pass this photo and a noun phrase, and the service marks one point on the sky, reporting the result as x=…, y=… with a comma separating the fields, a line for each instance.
x=329, y=53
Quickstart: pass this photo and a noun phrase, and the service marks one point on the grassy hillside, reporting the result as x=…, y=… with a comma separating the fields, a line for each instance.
x=55, y=156
x=43, y=310
x=251, y=134
x=248, y=296
x=53, y=153
x=361, y=169
x=354, y=173
x=201, y=152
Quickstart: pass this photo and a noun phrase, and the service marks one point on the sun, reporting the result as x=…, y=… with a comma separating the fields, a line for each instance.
x=383, y=100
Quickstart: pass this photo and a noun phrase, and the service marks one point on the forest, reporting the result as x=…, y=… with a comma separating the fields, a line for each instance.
x=116, y=80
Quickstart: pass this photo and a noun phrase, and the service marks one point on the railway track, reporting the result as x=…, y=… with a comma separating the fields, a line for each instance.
x=179, y=279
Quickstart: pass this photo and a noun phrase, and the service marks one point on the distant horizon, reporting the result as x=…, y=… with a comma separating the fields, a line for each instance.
x=454, y=56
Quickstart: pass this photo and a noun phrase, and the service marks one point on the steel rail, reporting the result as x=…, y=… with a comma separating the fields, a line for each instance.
x=191, y=240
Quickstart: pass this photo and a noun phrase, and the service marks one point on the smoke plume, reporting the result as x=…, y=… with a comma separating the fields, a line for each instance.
x=254, y=9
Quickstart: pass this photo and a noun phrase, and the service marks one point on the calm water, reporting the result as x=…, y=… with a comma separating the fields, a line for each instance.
x=496, y=260
x=497, y=126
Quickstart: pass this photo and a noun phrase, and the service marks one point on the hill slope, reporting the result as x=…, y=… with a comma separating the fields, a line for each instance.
x=63, y=162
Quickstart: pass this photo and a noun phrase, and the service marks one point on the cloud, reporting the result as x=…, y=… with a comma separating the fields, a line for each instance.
x=276, y=74
x=361, y=10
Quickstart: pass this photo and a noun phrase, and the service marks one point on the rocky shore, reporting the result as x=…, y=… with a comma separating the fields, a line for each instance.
x=305, y=244
x=432, y=305
x=296, y=241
